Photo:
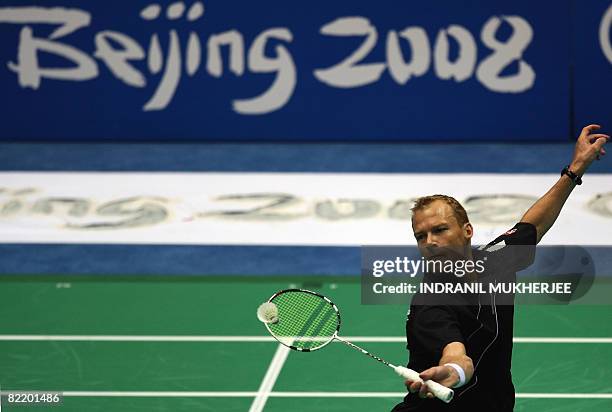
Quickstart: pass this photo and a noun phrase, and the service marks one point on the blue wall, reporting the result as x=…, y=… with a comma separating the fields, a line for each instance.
x=513, y=70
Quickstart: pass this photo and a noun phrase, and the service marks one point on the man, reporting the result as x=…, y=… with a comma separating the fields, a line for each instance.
x=469, y=346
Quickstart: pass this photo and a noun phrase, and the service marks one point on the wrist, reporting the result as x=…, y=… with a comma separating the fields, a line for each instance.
x=570, y=174
x=578, y=167
x=458, y=370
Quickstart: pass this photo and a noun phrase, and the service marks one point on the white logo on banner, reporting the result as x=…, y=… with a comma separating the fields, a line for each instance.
x=604, y=34
x=349, y=73
x=277, y=208
x=119, y=52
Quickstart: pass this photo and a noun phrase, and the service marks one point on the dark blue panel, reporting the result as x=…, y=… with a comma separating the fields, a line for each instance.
x=427, y=107
x=31, y=259
x=312, y=157
x=34, y=259
x=592, y=28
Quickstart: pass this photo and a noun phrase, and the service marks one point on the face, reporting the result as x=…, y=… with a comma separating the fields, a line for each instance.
x=438, y=233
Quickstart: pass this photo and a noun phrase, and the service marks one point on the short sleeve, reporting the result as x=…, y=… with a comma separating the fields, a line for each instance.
x=522, y=233
x=431, y=328
x=515, y=249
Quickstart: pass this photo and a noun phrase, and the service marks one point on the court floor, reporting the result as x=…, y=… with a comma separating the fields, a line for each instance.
x=185, y=344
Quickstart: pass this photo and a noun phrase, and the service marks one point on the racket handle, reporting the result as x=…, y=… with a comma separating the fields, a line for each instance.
x=439, y=391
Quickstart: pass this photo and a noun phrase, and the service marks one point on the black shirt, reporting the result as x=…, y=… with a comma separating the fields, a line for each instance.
x=483, y=325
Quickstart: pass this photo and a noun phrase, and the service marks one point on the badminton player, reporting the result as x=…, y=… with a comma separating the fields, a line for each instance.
x=469, y=347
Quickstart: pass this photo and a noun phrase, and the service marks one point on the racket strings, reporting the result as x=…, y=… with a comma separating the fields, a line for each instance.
x=306, y=321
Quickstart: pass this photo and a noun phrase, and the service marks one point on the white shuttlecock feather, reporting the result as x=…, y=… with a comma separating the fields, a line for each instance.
x=267, y=312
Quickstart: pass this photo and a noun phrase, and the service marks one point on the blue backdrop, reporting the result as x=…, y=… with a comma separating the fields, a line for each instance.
x=342, y=70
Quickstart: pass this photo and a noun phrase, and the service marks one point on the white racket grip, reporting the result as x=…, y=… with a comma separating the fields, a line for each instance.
x=440, y=391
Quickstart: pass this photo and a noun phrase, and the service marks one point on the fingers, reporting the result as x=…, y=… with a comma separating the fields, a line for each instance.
x=413, y=386
x=594, y=137
x=428, y=374
x=594, y=148
x=420, y=388
x=602, y=153
x=590, y=128
x=600, y=141
x=587, y=130
x=424, y=393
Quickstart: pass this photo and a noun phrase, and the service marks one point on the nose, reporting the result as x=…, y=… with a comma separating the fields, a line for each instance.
x=431, y=240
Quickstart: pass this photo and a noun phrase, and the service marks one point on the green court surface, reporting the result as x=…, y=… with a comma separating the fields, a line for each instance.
x=195, y=344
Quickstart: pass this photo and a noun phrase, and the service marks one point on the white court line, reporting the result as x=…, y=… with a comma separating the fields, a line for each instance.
x=276, y=365
x=562, y=340
x=160, y=394
x=228, y=394
x=565, y=395
x=270, y=378
x=138, y=338
x=183, y=338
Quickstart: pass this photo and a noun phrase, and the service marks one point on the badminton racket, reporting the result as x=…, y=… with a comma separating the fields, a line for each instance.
x=307, y=321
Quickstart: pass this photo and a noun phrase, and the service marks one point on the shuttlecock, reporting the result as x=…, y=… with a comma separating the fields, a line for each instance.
x=267, y=312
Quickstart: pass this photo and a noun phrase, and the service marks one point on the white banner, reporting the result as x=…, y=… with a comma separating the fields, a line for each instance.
x=279, y=208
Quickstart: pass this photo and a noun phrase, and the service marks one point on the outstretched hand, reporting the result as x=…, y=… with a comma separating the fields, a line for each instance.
x=589, y=147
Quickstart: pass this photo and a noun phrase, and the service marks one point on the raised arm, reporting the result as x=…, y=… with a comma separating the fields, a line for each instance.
x=545, y=211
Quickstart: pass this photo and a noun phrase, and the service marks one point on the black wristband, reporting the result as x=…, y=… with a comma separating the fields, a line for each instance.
x=575, y=178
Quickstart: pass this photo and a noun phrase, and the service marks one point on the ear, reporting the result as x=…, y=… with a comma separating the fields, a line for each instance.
x=468, y=230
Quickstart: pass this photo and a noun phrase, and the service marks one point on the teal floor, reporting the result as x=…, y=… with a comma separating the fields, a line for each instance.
x=216, y=370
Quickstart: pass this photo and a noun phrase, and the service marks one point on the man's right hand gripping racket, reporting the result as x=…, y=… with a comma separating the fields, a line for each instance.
x=306, y=321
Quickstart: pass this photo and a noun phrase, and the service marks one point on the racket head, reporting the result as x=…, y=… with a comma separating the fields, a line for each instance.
x=307, y=320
